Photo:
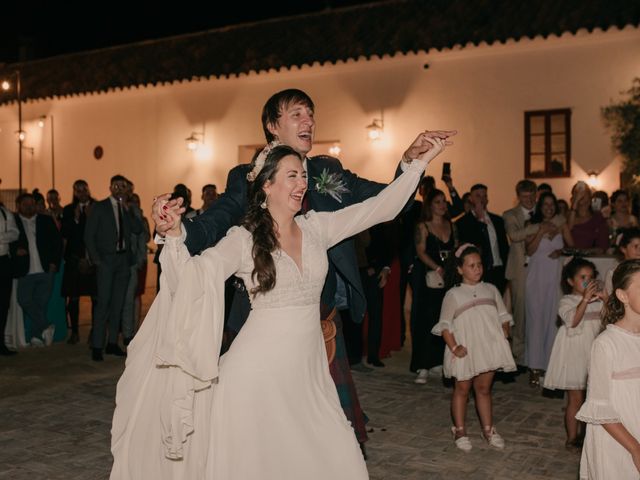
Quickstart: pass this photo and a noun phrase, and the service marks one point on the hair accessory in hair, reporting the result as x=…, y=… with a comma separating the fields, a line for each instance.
x=619, y=239
x=259, y=161
x=462, y=248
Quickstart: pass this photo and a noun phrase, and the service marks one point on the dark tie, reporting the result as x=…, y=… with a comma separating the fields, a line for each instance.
x=120, y=228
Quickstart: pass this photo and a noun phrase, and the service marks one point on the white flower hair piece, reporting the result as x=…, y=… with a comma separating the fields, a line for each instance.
x=259, y=161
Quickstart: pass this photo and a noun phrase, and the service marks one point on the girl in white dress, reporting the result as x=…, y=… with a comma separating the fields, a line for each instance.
x=579, y=311
x=628, y=243
x=475, y=325
x=612, y=410
x=268, y=410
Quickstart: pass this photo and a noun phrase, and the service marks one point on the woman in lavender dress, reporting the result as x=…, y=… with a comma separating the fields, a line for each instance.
x=542, y=288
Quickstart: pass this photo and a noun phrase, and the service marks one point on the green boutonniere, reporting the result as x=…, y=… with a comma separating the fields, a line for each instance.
x=331, y=184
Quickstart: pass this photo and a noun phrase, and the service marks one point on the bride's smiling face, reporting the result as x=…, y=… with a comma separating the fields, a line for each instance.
x=289, y=184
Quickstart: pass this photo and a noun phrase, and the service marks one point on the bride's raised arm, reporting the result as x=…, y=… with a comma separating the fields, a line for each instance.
x=226, y=255
x=383, y=207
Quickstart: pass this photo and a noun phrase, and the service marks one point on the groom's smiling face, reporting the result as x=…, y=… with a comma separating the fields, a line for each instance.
x=295, y=127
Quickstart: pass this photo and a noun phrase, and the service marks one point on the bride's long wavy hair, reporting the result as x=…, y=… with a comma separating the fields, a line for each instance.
x=261, y=224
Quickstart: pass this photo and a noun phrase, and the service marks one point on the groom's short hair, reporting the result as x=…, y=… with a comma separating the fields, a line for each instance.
x=273, y=108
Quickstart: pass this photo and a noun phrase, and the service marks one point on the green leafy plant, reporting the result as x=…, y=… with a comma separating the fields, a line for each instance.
x=623, y=120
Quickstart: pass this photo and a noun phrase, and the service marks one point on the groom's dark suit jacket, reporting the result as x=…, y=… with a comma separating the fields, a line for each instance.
x=208, y=228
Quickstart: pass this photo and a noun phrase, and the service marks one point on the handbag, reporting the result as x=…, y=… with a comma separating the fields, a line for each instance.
x=434, y=279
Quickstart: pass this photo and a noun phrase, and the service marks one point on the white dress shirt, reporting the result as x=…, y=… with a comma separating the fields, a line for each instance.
x=35, y=266
x=493, y=238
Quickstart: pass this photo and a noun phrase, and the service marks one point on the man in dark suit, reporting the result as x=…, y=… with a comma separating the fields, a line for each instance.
x=79, y=275
x=107, y=238
x=486, y=231
x=373, y=250
x=288, y=116
x=36, y=258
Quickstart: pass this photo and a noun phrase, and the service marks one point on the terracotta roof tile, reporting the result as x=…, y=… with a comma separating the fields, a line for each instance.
x=377, y=29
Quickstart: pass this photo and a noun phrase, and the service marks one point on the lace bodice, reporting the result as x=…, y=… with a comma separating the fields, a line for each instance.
x=293, y=287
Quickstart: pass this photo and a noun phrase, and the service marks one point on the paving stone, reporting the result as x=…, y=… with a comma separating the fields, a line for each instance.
x=56, y=407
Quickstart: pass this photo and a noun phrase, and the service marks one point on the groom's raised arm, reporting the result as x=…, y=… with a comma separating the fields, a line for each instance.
x=209, y=227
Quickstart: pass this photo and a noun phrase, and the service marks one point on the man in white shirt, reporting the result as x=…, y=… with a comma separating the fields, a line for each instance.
x=37, y=252
x=8, y=233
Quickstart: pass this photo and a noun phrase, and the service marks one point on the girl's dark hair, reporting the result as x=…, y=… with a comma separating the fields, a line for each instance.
x=614, y=309
x=537, y=215
x=571, y=269
x=426, y=214
x=451, y=275
x=626, y=235
x=260, y=223
x=618, y=193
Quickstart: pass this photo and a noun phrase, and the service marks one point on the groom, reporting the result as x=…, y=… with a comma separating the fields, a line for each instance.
x=288, y=116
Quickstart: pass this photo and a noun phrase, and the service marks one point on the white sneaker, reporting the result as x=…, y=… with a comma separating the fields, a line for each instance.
x=423, y=374
x=47, y=335
x=462, y=443
x=494, y=439
x=36, y=342
x=436, y=371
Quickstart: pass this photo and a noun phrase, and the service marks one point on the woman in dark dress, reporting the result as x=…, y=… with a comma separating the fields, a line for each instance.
x=435, y=241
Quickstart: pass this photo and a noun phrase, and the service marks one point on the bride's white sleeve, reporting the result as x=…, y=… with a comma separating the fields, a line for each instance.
x=383, y=207
x=226, y=255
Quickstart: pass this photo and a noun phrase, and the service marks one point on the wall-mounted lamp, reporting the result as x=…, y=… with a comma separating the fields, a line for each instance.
x=335, y=150
x=195, y=140
x=376, y=128
x=592, y=181
x=41, y=120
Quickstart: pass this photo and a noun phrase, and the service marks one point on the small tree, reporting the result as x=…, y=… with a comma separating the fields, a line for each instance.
x=623, y=119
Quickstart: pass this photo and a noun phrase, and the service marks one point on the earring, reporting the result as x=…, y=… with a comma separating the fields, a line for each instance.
x=263, y=205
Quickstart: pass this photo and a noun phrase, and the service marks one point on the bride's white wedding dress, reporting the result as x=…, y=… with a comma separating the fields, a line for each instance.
x=267, y=409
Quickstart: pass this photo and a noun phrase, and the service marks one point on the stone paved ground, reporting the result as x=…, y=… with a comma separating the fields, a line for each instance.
x=56, y=406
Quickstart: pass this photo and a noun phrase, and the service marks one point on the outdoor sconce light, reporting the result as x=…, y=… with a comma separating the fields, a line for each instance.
x=593, y=178
x=335, y=150
x=376, y=128
x=195, y=140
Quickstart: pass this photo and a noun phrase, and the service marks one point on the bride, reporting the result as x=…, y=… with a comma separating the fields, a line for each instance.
x=268, y=408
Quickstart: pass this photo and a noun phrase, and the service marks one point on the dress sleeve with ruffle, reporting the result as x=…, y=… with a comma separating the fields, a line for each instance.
x=567, y=312
x=447, y=314
x=598, y=408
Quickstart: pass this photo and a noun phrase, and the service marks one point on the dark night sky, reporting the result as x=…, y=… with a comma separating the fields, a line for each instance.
x=38, y=29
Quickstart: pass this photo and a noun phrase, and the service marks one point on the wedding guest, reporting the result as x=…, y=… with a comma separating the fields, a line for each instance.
x=107, y=237
x=435, y=241
x=486, y=230
x=620, y=215
x=612, y=444
x=79, y=277
x=518, y=226
x=54, y=207
x=589, y=230
x=543, y=249
x=8, y=233
x=38, y=250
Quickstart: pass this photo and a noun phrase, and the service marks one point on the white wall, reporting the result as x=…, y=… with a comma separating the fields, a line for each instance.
x=481, y=91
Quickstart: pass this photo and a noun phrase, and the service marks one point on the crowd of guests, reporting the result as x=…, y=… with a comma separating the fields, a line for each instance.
x=101, y=249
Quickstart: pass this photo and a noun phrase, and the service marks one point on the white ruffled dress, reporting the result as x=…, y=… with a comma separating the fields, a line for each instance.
x=569, y=359
x=475, y=314
x=613, y=396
